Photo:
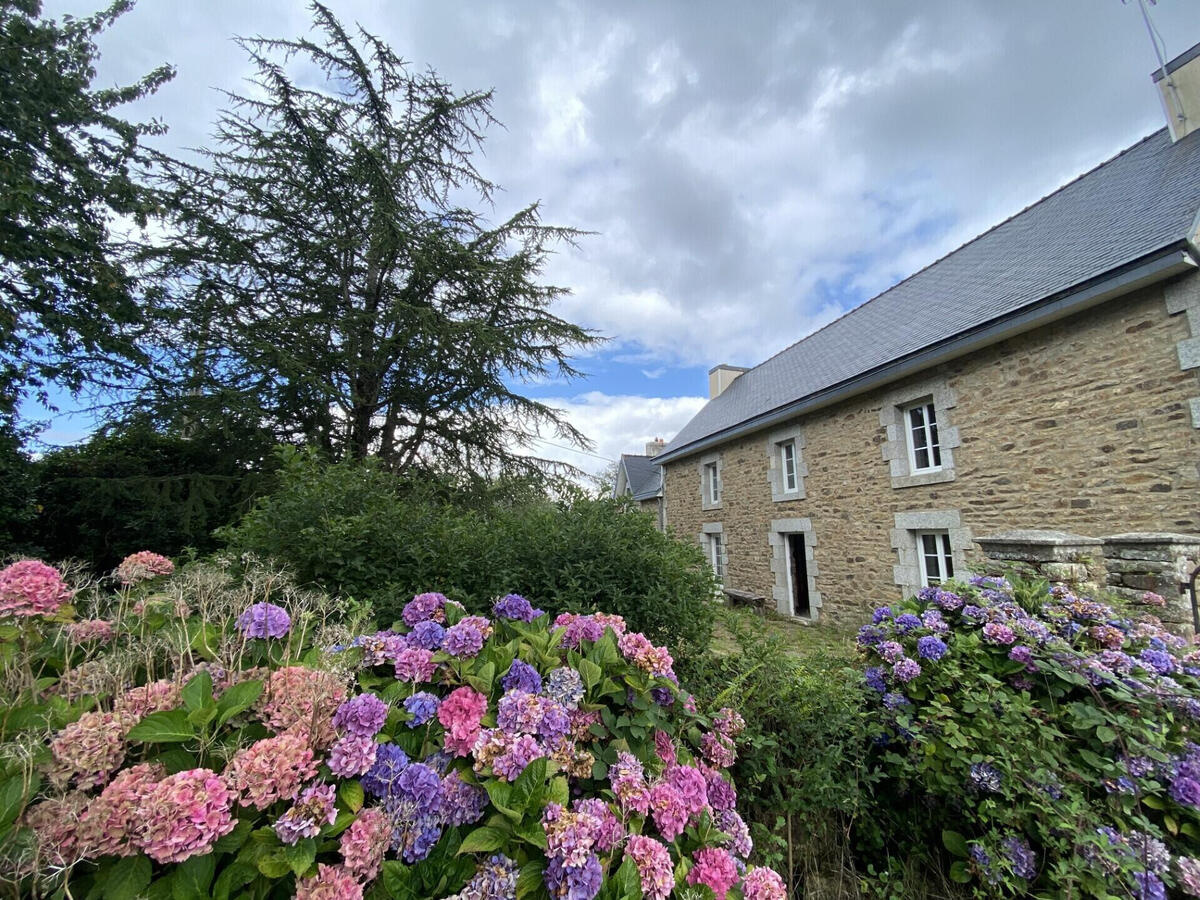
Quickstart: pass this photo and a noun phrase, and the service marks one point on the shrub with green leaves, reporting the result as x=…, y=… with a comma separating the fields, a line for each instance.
x=200, y=737
x=359, y=531
x=1045, y=740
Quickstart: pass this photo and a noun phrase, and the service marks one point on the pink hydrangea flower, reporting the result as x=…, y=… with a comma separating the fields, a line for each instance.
x=156, y=696
x=352, y=755
x=653, y=861
x=626, y=778
x=88, y=631
x=364, y=843
x=90, y=749
x=669, y=810
x=729, y=722
x=142, y=566
x=31, y=588
x=308, y=698
x=587, y=628
x=185, y=814
x=718, y=750
x=112, y=822
x=664, y=747
x=636, y=648
x=460, y=714
x=55, y=823
x=271, y=769
x=714, y=868
x=761, y=883
x=609, y=831
x=330, y=883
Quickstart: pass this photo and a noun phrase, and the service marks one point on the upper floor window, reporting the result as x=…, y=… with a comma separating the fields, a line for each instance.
x=710, y=483
x=787, y=466
x=924, y=448
x=935, y=556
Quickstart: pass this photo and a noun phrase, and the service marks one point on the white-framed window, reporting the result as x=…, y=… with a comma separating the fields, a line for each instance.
x=935, y=556
x=787, y=466
x=921, y=435
x=716, y=554
x=924, y=448
x=712, y=481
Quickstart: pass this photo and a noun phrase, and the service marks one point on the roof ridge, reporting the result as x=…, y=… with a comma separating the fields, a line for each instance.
x=961, y=246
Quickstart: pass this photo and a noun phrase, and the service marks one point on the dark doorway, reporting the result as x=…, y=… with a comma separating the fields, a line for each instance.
x=798, y=572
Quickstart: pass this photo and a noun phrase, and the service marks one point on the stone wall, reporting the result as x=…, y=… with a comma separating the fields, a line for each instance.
x=1083, y=425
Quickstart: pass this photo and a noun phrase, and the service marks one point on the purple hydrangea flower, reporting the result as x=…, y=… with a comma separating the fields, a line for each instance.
x=891, y=651
x=422, y=706
x=894, y=701
x=985, y=777
x=390, y=761
x=413, y=834
x=424, y=608
x=907, y=622
x=995, y=633
x=522, y=677
x=869, y=636
x=462, y=640
x=514, y=606
x=1158, y=660
x=462, y=803
x=906, y=670
x=931, y=647
x=422, y=786
x=883, y=612
x=427, y=635
x=264, y=620
x=1021, y=654
x=974, y=613
x=1021, y=857
x=574, y=882
x=1185, y=791
x=363, y=715
x=1148, y=886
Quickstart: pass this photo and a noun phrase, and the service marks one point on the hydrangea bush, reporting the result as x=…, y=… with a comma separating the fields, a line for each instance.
x=1050, y=741
x=261, y=752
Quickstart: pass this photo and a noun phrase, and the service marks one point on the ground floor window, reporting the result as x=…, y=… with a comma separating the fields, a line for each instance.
x=716, y=554
x=936, y=557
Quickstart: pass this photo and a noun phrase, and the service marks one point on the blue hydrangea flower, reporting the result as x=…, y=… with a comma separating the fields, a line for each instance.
x=985, y=777
x=907, y=622
x=390, y=761
x=931, y=647
x=514, y=606
x=428, y=635
x=522, y=677
x=874, y=677
x=564, y=685
x=422, y=706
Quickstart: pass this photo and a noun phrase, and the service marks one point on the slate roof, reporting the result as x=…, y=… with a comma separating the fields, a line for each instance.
x=643, y=475
x=1143, y=200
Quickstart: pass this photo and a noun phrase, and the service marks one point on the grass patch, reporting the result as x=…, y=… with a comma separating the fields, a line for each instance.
x=798, y=638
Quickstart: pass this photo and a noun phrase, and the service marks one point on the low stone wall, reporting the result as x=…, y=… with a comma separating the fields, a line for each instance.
x=1127, y=565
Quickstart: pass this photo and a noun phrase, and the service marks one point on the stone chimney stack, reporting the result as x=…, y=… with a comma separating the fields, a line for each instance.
x=721, y=377
x=655, y=447
x=1178, y=84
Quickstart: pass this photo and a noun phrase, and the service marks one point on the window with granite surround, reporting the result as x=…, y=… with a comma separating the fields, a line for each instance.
x=710, y=481
x=920, y=438
x=712, y=540
x=785, y=464
x=930, y=547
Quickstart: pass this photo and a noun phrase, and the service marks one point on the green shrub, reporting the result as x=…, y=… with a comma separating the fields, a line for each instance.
x=359, y=531
x=803, y=770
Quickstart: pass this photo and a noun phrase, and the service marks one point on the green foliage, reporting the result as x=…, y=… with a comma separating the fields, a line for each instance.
x=135, y=488
x=802, y=769
x=356, y=304
x=67, y=299
x=360, y=531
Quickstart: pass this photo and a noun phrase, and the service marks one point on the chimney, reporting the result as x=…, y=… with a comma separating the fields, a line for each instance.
x=655, y=447
x=721, y=377
x=1178, y=85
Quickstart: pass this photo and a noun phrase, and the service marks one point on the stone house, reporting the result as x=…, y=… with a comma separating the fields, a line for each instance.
x=1045, y=375
x=641, y=479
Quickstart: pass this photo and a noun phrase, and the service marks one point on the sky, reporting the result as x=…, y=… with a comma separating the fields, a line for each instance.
x=748, y=171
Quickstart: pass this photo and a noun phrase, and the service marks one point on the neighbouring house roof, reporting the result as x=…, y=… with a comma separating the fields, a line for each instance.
x=643, y=477
x=1142, y=202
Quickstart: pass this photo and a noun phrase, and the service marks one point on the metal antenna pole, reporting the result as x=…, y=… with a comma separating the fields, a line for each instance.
x=1160, y=51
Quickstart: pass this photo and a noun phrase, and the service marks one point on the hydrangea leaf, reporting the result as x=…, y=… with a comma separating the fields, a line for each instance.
x=127, y=879
x=192, y=878
x=198, y=692
x=483, y=840
x=531, y=881
x=237, y=698
x=351, y=794
x=955, y=843
x=163, y=727
x=301, y=856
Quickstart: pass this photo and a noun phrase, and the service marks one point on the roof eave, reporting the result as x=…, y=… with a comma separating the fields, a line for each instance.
x=1166, y=262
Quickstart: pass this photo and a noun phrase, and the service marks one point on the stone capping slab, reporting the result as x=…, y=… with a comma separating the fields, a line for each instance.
x=1036, y=545
x=1154, y=537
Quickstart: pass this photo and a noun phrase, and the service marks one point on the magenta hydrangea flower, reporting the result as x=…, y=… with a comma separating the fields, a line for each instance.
x=669, y=810
x=715, y=868
x=31, y=588
x=429, y=607
x=415, y=664
x=185, y=814
x=110, y=824
x=264, y=620
x=628, y=783
x=689, y=782
x=460, y=714
x=718, y=751
x=352, y=755
x=653, y=861
x=362, y=715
